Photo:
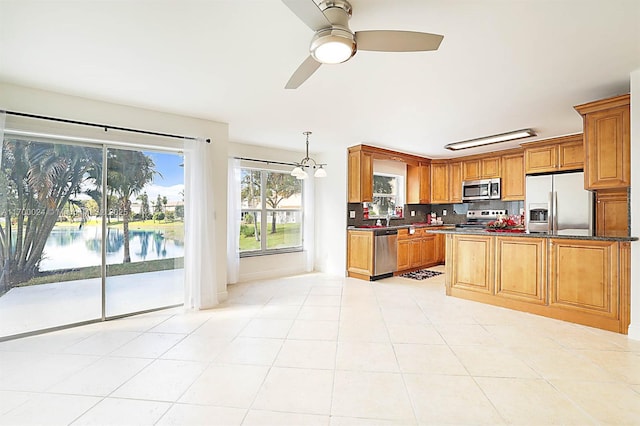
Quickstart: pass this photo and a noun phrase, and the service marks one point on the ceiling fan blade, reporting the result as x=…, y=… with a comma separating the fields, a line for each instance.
x=304, y=71
x=309, y=13
x=397, y=41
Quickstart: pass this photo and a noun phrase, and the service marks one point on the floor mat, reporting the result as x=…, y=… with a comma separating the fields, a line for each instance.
x=422, y=274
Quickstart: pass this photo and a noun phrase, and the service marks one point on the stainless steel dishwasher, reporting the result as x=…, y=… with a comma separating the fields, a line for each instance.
x=385, y=259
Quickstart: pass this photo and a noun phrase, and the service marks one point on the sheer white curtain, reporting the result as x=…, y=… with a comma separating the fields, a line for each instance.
x=200, y=249
x=308, y=233
x=233, y=221
x=3, y=116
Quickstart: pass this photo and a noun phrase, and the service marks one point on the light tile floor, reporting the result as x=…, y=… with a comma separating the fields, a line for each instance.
x=321, y=350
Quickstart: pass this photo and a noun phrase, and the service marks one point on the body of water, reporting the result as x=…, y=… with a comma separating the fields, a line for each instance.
x=71, y=247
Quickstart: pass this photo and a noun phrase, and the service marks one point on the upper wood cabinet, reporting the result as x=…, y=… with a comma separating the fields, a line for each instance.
x=552, y=155
x=607, y=140
x=455, y=182
x=471, y=169
x=440, y=183
x=490, y=167
x=419, y=183
x=446, y=182
x=513, y=186
x=360, y=175
x=481, y=168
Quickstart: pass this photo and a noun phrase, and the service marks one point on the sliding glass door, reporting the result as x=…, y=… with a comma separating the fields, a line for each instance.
x=145, y=231
x=87, y=232
x=50, y=235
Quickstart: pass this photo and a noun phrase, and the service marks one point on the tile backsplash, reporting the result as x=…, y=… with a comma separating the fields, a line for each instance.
x=456, y=213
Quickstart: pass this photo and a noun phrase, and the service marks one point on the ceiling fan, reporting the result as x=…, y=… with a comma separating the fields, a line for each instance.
x=334, y=42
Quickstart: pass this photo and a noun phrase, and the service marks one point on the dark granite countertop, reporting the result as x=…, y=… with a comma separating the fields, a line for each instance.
x=406, y=226
x=576, y=235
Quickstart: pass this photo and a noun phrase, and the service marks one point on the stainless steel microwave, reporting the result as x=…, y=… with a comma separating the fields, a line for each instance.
x=483, y=189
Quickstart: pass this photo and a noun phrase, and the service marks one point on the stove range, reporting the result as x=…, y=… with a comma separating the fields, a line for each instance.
x=479, y=219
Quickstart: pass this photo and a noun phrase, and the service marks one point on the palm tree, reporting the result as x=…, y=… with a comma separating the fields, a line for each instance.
x=36, y=181
x=127, y=174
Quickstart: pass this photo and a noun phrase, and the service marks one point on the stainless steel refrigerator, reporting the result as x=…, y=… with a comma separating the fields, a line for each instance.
x=559, y=204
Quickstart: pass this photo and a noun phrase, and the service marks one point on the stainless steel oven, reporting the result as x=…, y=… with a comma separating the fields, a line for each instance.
x=483, y=189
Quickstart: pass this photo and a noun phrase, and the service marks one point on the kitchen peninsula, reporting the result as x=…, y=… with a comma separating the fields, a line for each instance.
x=577, y=278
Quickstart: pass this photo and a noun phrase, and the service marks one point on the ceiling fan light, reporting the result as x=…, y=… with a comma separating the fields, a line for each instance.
x=333, y=46
x=320, y=173
x=297, y=171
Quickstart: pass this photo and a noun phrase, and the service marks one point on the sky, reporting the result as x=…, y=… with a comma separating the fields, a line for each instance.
x=170, y=182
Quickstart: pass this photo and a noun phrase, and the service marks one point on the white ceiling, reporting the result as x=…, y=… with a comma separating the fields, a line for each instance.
x=503, y=65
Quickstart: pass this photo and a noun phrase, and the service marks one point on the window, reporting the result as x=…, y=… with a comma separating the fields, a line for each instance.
x=276, y=197
x=387, y=194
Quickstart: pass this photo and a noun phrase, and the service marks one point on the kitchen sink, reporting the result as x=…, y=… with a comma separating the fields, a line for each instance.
x=370, y=226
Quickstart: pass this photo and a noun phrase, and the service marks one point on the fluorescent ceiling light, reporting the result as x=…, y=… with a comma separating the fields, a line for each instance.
x=488, y=140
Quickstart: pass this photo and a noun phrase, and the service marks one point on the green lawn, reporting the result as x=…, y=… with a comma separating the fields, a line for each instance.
x=286, y=235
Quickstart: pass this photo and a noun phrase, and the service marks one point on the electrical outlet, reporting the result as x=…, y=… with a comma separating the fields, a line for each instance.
x=352, y=214
x=413, y=213
x=444, y=212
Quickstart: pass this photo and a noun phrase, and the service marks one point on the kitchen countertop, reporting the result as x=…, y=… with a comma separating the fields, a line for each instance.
x=571, y=236
x=405, y=226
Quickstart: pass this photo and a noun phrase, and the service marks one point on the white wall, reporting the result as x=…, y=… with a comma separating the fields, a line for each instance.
x=27, y=100
x=331, y=214
x=634, y=328
x=277, y=265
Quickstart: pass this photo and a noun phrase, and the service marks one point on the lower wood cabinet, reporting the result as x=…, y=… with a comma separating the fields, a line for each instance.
x=472, y=268
x=418, y=250
x=360, y=254
x=584, y=276
x=403, y=255
x=521, y=272
x=612, y=212
x=581, y=281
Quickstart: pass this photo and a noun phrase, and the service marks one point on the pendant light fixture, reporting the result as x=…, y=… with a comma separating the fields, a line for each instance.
x=307, y=162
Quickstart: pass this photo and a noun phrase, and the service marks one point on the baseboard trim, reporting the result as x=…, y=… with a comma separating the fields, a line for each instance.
x=634, y=331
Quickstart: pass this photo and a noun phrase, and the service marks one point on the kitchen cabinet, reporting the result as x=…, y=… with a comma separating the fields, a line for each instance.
x=481, y=168
x=417, y=250
x=584, y=277
x=440, y=183
x=584, y=281
x=521, y=271
x=360, y=254
x=429, y=250
x=607, y=141
x=490, y=167
x=471, y=170
x=419, y=183
x=553, y=155
x=360, y=175
x=473, y=263
x=404, y=262
x=571, y=154
x=513, y=178
x=612, y=212
x=455, y=182
x=440, y=248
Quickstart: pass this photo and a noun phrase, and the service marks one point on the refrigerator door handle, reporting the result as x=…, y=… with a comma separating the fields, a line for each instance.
x=555, y=211
x=550, y=213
